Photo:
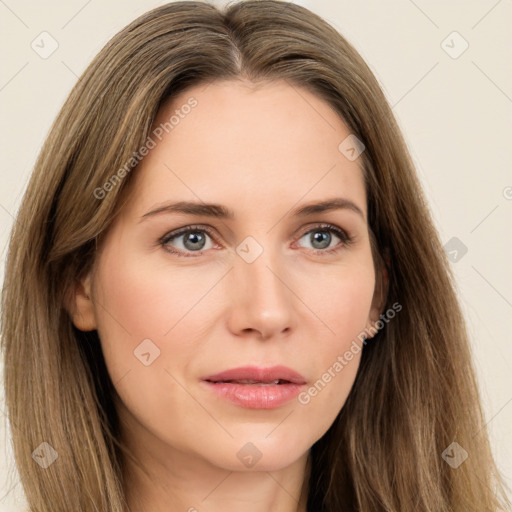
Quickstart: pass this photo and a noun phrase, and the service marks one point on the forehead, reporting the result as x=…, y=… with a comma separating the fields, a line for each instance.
x=236, y=143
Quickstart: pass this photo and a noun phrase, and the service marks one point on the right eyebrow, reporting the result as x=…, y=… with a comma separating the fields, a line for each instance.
x=192, y=208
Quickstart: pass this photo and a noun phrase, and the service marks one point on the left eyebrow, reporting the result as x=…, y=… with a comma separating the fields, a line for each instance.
x=222, y=212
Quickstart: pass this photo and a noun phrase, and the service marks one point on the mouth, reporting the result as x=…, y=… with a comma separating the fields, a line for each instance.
x=256, y=388
x=275, y=382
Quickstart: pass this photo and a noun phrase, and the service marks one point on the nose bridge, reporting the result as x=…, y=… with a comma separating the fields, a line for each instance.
x=261, y=299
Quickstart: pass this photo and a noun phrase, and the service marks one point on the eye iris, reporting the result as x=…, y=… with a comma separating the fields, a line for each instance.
x=322, y=237
x=194, y=238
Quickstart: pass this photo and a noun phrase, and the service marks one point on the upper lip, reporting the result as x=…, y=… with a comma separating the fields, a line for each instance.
x=256, y=374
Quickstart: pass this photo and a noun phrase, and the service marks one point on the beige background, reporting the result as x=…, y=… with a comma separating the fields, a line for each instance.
x=456, y=114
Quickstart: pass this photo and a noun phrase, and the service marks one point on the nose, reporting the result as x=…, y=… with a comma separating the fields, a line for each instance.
x=262, y=301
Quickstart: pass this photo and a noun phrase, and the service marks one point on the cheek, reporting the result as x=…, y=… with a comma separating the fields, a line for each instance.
x=341, y=297
x=344, y=308
x=146, y=319
x=136, y=303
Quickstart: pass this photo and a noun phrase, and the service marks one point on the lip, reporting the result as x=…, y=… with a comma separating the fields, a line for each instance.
x=260, y=392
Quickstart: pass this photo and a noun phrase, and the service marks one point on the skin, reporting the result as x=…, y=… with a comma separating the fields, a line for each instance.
x=260, y=151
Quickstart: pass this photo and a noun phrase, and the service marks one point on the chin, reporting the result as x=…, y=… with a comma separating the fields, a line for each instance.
x=255, y=450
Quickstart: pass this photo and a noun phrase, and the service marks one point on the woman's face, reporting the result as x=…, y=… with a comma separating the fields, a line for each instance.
x=266, y=291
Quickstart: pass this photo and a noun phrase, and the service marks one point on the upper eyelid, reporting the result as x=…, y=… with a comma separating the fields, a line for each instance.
x=175, y=233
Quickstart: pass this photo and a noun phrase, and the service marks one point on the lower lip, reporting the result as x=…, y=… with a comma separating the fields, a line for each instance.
x=256, y=396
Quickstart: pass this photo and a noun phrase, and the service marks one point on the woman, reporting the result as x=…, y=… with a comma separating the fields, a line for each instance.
x=176, y=334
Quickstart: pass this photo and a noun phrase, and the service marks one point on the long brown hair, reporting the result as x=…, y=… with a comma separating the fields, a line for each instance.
x=415, y=392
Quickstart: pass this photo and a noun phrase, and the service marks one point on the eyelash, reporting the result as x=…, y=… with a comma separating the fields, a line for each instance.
x=346, y=239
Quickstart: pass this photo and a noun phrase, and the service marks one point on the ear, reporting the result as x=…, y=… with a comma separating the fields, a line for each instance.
x=81, y=307
x=381, y=291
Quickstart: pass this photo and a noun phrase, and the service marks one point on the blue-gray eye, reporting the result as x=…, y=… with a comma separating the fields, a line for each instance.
x=320, y=237
x=193, y=240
